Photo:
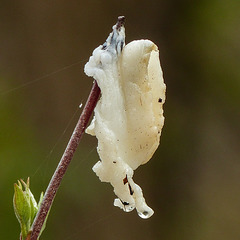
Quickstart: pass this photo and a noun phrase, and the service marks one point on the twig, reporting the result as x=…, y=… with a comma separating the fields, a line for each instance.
x=65, y=161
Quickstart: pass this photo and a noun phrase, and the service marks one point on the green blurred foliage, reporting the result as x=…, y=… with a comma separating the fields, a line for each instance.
x=192, y=182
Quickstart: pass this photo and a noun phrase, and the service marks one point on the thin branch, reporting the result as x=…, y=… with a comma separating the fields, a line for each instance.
x=65, y=161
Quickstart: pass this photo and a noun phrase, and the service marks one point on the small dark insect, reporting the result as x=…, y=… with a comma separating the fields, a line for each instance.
x=159, y=100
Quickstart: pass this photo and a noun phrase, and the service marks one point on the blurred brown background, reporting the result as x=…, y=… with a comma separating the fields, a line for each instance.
x=193, y=181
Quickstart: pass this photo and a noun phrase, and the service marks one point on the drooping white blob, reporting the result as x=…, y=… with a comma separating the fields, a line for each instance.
x=129, y=116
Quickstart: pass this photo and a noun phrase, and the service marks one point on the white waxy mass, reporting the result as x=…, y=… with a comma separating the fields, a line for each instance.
x=129, y=115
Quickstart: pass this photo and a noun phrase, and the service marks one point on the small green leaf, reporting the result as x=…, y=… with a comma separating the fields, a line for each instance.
x=33, y=203
x=22, y=209
x=25, y=206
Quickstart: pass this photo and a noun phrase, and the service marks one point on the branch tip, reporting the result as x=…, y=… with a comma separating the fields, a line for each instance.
x=120, y=22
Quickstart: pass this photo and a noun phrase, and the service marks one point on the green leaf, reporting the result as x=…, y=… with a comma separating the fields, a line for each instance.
x=22, y=209
x=25, y=206
x=32, y=201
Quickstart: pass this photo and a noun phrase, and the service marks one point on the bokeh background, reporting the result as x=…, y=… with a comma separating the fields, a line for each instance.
x=193, y=180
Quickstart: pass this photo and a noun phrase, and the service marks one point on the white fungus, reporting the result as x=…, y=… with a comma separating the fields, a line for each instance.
x=129, y=116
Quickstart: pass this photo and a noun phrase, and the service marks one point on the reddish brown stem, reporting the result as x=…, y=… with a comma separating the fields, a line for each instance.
x=65, y=161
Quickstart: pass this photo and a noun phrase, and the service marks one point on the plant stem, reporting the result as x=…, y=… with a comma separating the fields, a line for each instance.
x=65, y=161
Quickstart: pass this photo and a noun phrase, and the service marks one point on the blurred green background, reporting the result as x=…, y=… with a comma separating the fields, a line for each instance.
x=193, y=180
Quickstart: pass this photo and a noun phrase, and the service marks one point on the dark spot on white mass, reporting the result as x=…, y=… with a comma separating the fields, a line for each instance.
x=125, y=180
